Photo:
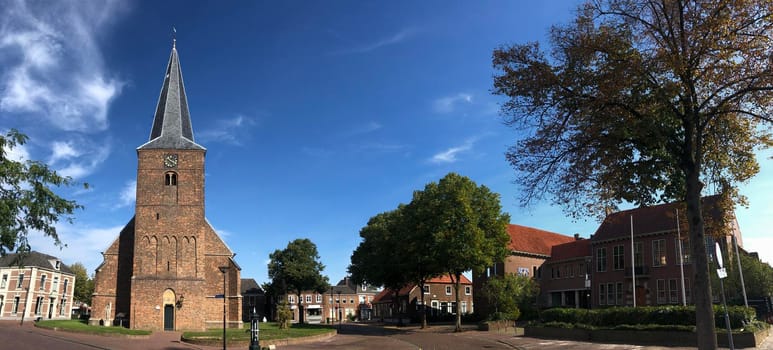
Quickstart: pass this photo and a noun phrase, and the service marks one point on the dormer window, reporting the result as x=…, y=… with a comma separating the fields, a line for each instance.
x=57, y=264
x=171, y=179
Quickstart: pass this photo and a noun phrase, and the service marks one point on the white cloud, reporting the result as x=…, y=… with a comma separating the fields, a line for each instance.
x=450, y=155
x=51, y=66
x=762, y=245
x=78, y=157
x=393, y=39
x=448, y=104
x=128, y=194
x=18, y=153
x=231, y=131
x=83, y=244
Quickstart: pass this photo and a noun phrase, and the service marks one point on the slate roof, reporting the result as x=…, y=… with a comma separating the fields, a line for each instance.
x=572, y=250
x=647, y=220
x=172, y=127
x=534, y=241
x=33, y=258
x=250, y=286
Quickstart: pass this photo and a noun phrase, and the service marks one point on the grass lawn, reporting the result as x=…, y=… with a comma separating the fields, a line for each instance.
x=83, y=327
x=268, y=331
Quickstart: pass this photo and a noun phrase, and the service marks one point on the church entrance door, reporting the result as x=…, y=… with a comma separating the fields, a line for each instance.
x=168, y=317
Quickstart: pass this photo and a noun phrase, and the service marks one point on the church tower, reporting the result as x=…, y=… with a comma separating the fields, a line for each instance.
x=168, y=268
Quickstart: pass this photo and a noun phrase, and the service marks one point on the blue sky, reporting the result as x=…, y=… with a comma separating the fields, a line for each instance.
x=316, y=115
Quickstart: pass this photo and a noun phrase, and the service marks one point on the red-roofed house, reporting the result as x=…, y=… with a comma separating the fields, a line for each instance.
x=529, y=248
x=656, y=271
x=565, y=279
x=438, y=294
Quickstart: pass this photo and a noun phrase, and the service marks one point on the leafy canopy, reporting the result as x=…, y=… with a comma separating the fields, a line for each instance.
x=27, y=198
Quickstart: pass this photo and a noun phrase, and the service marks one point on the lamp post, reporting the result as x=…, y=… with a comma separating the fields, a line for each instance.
x=224, y=269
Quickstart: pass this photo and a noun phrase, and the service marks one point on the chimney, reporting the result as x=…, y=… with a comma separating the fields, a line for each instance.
x=577, y=237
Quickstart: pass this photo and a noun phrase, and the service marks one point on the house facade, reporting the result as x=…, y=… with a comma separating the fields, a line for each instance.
x=35, y=285
x=439, y=296
x=529, y=249
x=253, y=299
x=642, y=256
x=342, y=302
x=168, y=269
x=565, y=279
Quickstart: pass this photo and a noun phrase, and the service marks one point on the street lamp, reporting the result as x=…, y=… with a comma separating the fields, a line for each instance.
x=224, y=269
x=254, y=327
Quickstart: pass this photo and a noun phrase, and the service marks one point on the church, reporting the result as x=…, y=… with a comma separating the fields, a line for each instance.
x=168, y=269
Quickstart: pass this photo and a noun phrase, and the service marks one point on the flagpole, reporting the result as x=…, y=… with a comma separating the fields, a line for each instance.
x=681, y=258
x=633, y=266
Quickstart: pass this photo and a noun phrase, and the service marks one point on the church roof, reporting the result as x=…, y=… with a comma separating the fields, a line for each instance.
x=172, y=122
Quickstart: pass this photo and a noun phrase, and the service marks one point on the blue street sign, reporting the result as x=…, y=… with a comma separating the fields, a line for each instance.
x=219, y=296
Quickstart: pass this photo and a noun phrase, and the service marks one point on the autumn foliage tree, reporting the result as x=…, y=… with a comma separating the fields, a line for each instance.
x=643, y=101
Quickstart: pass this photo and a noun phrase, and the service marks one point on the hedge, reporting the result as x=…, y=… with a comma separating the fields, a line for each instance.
x=647, y=315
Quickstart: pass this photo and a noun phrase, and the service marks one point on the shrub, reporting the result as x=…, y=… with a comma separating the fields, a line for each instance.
x=284, y=316
x=648, y=315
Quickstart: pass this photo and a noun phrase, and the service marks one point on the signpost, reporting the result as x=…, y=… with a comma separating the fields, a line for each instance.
x=722, y=273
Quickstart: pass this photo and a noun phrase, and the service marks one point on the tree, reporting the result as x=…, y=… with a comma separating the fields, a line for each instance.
x=466, y=224
x=643, y=101
x=509, y=294
x=27, y=200
x=297, y=268
x=84, y=286
x=375, y=261
x=757, y=276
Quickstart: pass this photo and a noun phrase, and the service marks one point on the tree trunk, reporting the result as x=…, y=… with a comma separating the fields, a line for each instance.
x=423, y=308
x=300, y=308
x=704, y=309
x=457, y=282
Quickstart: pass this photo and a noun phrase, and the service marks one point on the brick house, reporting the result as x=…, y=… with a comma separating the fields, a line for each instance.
x=253, y=297
x=168, y=269
x=35, y=285
x=438, y=294
x=565, y=277
x=529, y=248
x=656, y=247
x=342, y=302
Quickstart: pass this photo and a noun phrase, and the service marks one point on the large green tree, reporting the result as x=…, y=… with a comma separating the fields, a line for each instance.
x=27, y=198
x=297, y=268
x=509, y=294
x=757, y=277
x=84, y=286
x=643, y=101
x=467, y=226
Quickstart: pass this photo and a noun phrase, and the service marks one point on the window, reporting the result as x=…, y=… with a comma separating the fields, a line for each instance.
x=580, y=269
x=319, y=298
x=610, y=294
x=523, y=271
x=4, y=281
x=602, y=294
x=171, y=179
x=467, y=290
x=64, y=286
x=15, y=305
x=673, y=292
x=601, y=259
x=43, y=282
x=558, y=272
x=62, y=307
x=571, y=270
x=308, y=299
x=661, y=291
x=57, y=265
x=534, y=271
x=351, y=301
x=55, y=285
x=448, y=290
x=21, y=281
x=426, y=289
x=364, y=288
x=638, y=257
x=344, y=300
x=39, y=306
x=618, y=257
x=464, y=307
x=659, y=252
x=685, y=245
x=291, y=299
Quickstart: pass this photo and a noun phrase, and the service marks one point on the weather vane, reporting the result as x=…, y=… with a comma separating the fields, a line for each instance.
x=174, y=37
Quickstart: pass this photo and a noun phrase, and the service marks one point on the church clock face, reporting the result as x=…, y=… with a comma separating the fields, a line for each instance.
x=170, y=160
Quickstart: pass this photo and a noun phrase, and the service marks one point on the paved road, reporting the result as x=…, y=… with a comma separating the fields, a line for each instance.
x=354, y=337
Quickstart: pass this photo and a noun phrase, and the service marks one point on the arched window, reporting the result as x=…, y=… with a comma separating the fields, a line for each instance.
x=171, y=179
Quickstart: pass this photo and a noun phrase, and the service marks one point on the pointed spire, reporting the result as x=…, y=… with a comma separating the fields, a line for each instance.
x=172, y=121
